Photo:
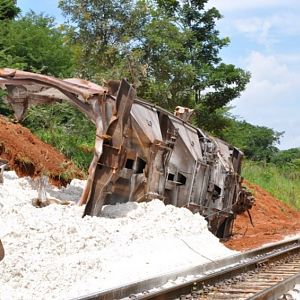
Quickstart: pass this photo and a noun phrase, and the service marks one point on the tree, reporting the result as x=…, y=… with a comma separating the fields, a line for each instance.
x=257, y=142
x=8, y=9
x=34, y=43
x=290, y=158
x=185, y=57
x=169, y=49
x=100, y=31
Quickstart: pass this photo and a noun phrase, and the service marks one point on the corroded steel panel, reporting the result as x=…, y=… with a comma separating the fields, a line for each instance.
x=190, y=138
x=147, y=119
x=141, y=150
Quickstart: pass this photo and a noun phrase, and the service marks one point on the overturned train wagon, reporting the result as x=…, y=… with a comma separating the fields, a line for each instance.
x=142, y=151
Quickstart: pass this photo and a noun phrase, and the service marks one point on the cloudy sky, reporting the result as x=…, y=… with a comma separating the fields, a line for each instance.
x=265, y=40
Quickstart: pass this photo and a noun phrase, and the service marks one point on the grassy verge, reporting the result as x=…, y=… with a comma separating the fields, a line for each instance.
x=73, y=146
x=282, y=182
x=65, y=128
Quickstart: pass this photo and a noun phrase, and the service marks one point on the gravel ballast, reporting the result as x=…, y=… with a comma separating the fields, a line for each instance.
x=54, y=253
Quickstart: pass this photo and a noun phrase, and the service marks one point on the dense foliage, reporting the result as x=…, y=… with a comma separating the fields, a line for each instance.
x=64, y=127
x=257, y=142
x=8, y=9
x=33, y=43
x=169, y=49
x=287, y=158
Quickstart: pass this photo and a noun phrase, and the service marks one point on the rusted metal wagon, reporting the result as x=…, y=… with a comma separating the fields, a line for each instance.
x=1, y=251
x=142, y=151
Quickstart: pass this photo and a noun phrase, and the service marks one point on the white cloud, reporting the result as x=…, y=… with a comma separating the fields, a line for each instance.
x=268, y=67
x=293, y=58
x=238, y=5
x=272, y=28
x=271, y=99
x=255, y=28
x=268, y=30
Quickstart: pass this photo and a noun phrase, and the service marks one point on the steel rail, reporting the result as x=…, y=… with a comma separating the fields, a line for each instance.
x=206, y=274
x=276, y=291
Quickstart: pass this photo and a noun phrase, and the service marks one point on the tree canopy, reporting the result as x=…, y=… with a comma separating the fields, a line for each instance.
x=33, y=43
x=169, y=49
x=8, y=9
x=257, y=142
x=290, y=157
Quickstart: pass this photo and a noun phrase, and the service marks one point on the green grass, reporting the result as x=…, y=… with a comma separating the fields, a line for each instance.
x=75, y=147
x=65, y=128
x=281, y=182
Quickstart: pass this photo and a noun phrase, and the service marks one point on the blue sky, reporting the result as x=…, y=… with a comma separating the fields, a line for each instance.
x=265, y=40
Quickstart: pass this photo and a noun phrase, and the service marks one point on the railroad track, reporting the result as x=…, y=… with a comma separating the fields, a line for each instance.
x=265, y=273
x=268, y=280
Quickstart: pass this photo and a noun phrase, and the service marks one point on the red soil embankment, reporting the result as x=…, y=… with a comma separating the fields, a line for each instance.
x=29, y=156
x=272, y=219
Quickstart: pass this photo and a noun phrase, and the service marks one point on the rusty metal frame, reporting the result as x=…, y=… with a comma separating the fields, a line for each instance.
x=141, y=150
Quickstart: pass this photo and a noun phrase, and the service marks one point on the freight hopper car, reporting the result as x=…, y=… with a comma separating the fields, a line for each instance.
x=142, y=151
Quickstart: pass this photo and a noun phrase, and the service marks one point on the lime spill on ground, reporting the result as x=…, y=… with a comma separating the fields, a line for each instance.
x=54, y=253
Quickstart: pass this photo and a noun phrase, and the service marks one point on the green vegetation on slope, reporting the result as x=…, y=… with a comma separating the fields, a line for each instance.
x=67, y=129
x=283, y=182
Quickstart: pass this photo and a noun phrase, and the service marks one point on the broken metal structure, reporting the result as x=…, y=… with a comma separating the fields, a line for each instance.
x=142, y=151
x=1, y=251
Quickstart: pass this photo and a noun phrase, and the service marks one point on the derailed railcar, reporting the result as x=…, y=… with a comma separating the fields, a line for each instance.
x=1, y=251
x=143, y=152
x=185, y=167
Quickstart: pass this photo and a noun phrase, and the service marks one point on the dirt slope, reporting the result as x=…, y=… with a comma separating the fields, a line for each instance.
x=272, y=221
x=28, y=155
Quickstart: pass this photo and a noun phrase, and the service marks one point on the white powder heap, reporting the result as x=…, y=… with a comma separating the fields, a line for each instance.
x=54, y=253
x=294, y=293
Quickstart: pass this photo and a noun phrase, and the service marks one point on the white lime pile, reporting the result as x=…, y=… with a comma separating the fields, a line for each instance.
x=293, y=294
x=54, y=253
